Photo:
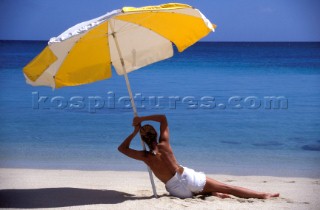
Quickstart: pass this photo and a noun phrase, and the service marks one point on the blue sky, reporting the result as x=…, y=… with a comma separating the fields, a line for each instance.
x=237, y=20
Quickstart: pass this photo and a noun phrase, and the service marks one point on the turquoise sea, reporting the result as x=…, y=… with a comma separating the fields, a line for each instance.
x=233, y=108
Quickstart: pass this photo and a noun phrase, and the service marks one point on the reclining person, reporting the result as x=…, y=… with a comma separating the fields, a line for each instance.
x=179, y=181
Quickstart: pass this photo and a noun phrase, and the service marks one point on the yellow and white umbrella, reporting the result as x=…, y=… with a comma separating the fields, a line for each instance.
x=127, y=39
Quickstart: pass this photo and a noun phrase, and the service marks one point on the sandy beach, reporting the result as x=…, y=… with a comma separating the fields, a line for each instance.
x=71, y=189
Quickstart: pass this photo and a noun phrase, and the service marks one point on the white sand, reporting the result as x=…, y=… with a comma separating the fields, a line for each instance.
x=71, y=189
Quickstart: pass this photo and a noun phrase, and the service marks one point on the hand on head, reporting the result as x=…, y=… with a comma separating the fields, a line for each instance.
x=136, y=122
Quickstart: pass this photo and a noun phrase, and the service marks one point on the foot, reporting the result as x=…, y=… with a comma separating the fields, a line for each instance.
x=220, y=195
x=269, y=195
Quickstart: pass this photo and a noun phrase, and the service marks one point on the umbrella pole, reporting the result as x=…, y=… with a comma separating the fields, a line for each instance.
x=143, y=144
x=132, y=104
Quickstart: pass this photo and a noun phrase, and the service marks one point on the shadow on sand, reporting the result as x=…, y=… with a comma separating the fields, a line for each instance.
x=61, y=197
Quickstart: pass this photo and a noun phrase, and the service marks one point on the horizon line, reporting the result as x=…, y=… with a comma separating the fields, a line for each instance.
x=33, y=40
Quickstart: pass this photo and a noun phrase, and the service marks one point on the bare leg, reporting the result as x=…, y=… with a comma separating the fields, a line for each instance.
x=212, y=186
x=220, y=195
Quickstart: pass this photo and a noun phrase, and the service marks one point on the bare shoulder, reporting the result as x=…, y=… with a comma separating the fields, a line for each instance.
x=164, y=147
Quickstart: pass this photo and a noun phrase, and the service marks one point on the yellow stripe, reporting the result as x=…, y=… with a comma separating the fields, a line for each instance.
x=88, y=61
x=39, y=64
x=183, y=30
x=169, y=6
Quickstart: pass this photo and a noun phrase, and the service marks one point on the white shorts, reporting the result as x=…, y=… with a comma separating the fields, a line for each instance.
x=184, y=185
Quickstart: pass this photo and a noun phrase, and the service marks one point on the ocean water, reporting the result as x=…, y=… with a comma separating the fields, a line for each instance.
x=216, y=97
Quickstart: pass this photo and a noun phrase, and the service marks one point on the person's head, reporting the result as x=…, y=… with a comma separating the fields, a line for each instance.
x=149, y=136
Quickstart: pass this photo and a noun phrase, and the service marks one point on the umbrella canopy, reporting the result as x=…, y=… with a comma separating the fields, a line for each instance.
x=128, y=39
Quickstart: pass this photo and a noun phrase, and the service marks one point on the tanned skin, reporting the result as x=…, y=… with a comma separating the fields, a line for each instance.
x=164, y=165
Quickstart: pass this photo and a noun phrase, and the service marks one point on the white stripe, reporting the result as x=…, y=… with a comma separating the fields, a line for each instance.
x=139, y=46
x=83, y=27
x=61, y=50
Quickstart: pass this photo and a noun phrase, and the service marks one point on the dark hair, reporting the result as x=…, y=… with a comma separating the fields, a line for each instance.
x=148, y=135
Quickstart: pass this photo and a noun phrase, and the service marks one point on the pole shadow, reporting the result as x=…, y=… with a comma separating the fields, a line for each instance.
x=61, y=197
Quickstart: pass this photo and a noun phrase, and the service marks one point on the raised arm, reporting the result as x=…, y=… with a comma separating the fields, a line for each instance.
x=125, y=146
x=164, y=129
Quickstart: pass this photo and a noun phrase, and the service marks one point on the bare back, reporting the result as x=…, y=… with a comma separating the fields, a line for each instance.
x=164, y=164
